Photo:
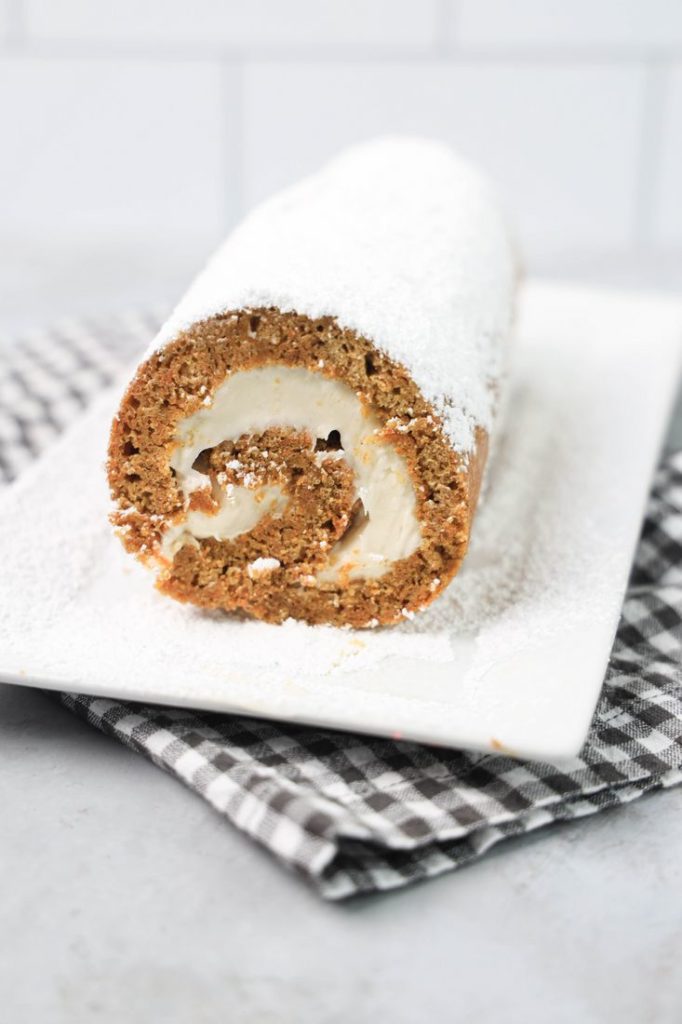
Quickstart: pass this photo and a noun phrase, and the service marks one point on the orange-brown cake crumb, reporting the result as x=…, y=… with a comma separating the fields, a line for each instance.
x=275, y=570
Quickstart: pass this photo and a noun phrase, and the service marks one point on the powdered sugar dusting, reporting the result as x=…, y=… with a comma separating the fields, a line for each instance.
x=402, y=242
x=100, y=575
x=262, y=566
x=515, y=649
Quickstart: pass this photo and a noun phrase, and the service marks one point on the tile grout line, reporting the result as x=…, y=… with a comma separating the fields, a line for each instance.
x=440, y=49
x=446, y=19
x=16, y=31
x=234, y=139
x=649, y=156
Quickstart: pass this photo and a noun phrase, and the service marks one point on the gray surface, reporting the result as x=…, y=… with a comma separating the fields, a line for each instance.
x=124, y=898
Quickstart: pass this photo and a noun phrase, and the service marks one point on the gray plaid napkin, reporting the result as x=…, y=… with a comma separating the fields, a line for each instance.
x=352, y=814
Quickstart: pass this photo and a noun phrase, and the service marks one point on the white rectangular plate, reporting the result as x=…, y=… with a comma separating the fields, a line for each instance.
x=511, y=658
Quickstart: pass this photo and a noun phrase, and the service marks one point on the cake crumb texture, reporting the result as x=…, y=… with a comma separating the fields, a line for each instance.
x=321, y=504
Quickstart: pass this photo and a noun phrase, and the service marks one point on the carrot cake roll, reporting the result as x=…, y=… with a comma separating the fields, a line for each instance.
x=306, y=437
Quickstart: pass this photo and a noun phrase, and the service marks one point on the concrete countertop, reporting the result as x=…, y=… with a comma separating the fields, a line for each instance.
x=123, y=897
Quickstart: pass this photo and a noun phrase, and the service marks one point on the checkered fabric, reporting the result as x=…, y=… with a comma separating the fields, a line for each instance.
x=352, y=814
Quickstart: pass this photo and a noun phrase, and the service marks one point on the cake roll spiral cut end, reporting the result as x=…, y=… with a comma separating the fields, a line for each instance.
x=271, y=464
x=307, y=436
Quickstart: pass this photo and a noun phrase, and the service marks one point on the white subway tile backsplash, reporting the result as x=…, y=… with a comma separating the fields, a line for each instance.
x=406, y=24
x=612, y=25
x=667, y=210
x=561, y=142
x=125, y=146
x=134, y=116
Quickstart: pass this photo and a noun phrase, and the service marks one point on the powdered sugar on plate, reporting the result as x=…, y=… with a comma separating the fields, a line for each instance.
x=92, y=571
x=512, y=654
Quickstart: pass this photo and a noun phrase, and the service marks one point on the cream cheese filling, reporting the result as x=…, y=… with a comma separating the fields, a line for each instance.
x=251, y=401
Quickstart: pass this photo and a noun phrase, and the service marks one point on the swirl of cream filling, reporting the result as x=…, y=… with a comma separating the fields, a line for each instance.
x=252, y=401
